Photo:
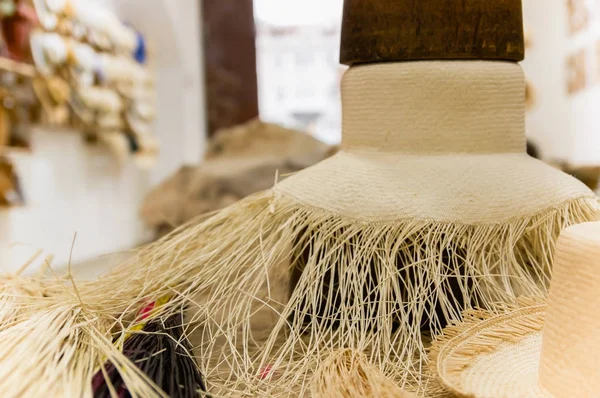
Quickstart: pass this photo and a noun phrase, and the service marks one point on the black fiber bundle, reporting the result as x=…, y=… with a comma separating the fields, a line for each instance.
x=162, y=352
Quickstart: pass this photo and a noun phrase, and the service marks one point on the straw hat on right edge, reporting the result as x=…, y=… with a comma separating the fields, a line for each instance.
x=540, y=348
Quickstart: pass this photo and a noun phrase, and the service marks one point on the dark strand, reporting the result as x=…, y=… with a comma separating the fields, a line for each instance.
x=162, y=352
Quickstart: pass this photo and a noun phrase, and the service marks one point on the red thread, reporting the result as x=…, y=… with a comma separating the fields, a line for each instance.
x=147, y=310
x=265, y=372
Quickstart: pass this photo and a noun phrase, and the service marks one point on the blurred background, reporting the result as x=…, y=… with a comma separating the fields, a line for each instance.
x=123, y=119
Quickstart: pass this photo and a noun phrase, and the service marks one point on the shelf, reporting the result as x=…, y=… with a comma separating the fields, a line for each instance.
x=14, y=150
x=19, y=68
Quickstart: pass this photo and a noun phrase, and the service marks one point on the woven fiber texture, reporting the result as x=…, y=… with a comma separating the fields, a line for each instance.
x=533, y=349
x=434, y=107
x=571, y=348
x=442, y=141
x=349, y=374
x=518, y=377
x=429, y=210
x=494, y=358
x=451, y=188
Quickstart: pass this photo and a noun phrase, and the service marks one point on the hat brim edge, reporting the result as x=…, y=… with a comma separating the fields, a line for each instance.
x=479, y=329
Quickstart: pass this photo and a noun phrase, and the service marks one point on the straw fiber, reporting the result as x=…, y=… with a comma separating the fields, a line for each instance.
x=348, y=374
x=492, y=354
x=570, y=358
x=536, y=348
x=364, y=252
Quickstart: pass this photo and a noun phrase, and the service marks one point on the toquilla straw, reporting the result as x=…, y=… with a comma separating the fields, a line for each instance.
x=538, y=348
x=431, y=207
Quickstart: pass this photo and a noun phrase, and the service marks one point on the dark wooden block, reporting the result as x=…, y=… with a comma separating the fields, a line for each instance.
x=403, y=30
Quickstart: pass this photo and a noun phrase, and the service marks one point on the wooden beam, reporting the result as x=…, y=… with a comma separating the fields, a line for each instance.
x=230, y=60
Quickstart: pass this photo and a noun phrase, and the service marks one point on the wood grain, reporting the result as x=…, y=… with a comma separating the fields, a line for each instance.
x=399, y=30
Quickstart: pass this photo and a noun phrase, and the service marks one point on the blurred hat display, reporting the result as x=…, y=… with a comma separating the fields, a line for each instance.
x=240, y=161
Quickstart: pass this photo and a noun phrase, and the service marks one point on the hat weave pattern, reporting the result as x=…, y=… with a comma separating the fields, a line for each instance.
x=431, y=208
x=542, y=348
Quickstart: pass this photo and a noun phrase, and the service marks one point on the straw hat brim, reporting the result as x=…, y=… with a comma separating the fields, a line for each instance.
x=138, y=125
x=38, y=40
x=48, y=20
x=384, y=187
x=493, y=355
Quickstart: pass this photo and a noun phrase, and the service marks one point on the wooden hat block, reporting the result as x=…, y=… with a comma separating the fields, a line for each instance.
x=404, y=30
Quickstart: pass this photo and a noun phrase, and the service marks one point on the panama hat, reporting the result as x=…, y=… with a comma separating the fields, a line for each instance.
x=101, y=21
x=110, y=121
x=51, y=50
x=431, y=206
x=105, y=26
x=538, y=348
x=121, y=69
x=101, y=99
x=86, y=101
x=48, y=17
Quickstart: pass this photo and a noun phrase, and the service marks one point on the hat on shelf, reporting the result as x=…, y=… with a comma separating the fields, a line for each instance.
x=102, y=20
x=138, y=126
x=99, y=39
x=117, y=143
x=101, y=23
x=49, y=50
x=121, y=69
x=110, y=121
x=79, y=31
x=141, y=92
x=101, y=99
x=47, y=16
x=83, y=55
x=54, y=94
x=546, y=348
x=143, y=110
x=87, y=101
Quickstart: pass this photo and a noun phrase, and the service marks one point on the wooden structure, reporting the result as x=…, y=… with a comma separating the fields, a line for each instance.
x=402, y=30
x=230, y=62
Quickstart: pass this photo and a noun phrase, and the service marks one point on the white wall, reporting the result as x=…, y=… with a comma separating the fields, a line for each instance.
x=565, y=126
x=71, y=187
x=173, y=28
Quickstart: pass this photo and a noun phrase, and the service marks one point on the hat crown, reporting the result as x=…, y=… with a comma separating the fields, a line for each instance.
x=433, y=140
x=401, y=30
x=434, y=107
x=570, y=359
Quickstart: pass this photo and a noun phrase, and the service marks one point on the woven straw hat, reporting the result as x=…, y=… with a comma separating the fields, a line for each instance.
x=47, y=16
x=534, y=349
x=457, y=156
x=431, y=206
